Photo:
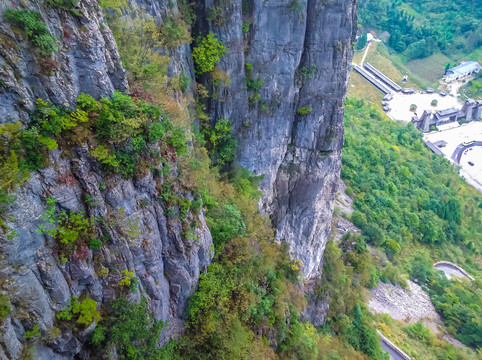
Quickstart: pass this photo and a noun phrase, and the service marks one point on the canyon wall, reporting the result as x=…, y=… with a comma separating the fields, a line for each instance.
x=291, y=129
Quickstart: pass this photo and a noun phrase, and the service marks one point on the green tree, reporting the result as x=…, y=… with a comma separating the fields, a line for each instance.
x=207, y=53
x=362, y=41
x=35, y=29
x=225, y=223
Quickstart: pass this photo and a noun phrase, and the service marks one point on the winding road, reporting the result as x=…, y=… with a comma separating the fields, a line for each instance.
x=452, y=270
x=456, y=156
x=394, y=355
x=392, y=349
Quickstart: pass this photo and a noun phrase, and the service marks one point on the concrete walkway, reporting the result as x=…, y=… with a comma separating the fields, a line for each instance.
x=365, y=54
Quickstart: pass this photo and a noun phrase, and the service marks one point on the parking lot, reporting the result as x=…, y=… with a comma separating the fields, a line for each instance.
x=400, y=104
x=448, y=140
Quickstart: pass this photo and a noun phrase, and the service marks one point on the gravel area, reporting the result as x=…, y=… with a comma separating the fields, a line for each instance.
x=410, y=305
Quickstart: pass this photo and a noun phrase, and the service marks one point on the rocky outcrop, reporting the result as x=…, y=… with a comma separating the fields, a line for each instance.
x=292, y=132
x=87, y=60
x=141, y=238
x=129, y=213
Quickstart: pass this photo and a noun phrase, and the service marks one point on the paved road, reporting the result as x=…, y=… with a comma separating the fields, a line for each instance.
x=393, y=354
x=449, y=270
x=460, y=150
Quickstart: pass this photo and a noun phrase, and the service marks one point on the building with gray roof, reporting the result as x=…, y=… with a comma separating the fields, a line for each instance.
x=471, y=111
x=462, y=70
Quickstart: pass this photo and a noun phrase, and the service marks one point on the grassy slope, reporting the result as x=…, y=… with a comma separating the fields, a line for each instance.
x=430, y=348
x=361, y=88
x=431, y=68
x=371, y=132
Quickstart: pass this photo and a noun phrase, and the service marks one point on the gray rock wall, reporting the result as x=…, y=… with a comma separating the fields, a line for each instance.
x=299, y=155
x=142, y=238
x=87, y=60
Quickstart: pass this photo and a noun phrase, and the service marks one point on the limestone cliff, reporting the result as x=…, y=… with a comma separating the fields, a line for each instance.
x=289, y=129
x=143, y=238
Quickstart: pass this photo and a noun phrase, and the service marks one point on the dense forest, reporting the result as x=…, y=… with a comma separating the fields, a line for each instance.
x=418, y=29
x=413, y=205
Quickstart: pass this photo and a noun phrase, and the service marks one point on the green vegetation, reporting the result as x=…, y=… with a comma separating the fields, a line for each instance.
x=392, y=65
x=457, y=301
x=174, y=32
x=304, y=110
x=128, y=275
x=362, y=41
x=412, y=195
x=5, y=308
x=250, y=287
x=83, y=312
x=419, y=331
x=72, y=231
x=420, y=28
x=32, y=333
x=136, y=38
x=249, y=302
x=220, y=142
x=215, y=16
x=225, y=223
x=430, y=68
x=473, y=88
x=295, y=6
x=309, y=72
x=125, y=127
x=67, y=5
x=131, y=329
x=413, y=204
x=418, y=342
x=207, y=52
x=35, y=29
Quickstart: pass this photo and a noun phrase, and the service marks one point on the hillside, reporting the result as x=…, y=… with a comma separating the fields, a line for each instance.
x=415, y=208
x=418, y=29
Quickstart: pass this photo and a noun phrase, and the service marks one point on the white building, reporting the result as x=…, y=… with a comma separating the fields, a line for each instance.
x=462, y=70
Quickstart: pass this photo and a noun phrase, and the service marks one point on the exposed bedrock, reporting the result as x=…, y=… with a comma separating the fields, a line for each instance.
x=293, y=134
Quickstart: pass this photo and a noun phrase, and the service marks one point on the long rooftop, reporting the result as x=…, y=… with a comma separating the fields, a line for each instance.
x=464, y=68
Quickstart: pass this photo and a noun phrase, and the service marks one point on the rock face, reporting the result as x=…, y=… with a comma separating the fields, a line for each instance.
x=291, y=129
x=87, y=60
x=141, y=236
